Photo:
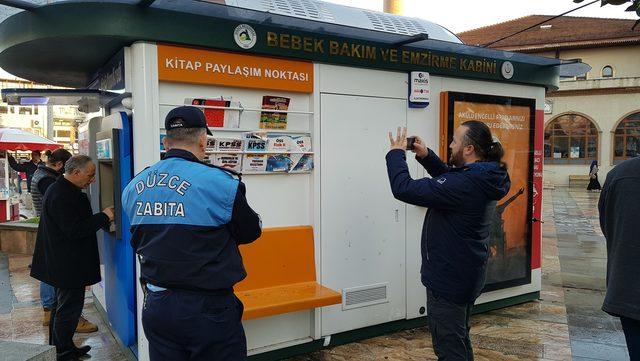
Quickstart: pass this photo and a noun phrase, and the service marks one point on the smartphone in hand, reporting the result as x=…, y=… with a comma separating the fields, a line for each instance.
x=410, y=141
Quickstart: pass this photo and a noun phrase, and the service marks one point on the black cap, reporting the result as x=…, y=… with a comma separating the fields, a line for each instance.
x=186, y=117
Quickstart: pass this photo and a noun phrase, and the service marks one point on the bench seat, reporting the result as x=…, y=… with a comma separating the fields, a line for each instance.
x=282, y=274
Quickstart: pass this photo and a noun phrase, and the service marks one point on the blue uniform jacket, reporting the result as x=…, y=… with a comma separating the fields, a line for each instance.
x=187, y=220
x=456, y=227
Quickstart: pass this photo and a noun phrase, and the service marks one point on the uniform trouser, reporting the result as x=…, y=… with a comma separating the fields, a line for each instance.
x=631, y=330
x=449, y=326
x=183, y=325
x=65, y=314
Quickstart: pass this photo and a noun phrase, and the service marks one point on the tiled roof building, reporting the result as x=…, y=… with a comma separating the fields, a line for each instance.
x=591, y=117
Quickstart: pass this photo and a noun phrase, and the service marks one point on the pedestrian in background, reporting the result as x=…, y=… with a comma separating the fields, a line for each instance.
x=29, y=168
x=594, y=184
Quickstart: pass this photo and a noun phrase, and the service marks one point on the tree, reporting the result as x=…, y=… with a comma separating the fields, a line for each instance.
x=635, y=6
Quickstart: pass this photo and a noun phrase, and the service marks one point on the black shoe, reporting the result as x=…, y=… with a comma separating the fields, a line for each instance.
x=82, y=350
x=67, y=356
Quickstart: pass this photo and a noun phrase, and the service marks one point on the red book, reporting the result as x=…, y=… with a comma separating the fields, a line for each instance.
x=215, y=117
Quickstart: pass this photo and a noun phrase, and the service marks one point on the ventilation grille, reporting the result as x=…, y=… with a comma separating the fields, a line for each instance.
x=307, y=9
x=394, y=24
x=364, y=296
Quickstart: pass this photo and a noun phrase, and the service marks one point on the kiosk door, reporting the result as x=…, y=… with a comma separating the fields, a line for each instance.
x=362, y=225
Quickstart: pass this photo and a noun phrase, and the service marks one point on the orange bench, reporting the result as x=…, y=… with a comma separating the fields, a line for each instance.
x=282, y=274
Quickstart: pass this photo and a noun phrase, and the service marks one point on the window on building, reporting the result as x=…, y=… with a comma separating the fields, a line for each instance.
x=570, y=139
x=4, y=109
x=60, y=133
x=607, y=72
x=626, y=143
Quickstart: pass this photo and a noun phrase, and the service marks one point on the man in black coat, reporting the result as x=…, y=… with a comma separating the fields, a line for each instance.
x=66, y=250
x=619, y=207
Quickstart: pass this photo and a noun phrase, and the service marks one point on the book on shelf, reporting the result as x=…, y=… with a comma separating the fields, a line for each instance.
x=255, y=142
x=254, y=163
x=278, y=163
x=229, y=145
x=218, y=118
x=278, y=143
x=231, y=161
x=211, y=144
x=301, y=163
x=301, y=143
x=269, y=120
x=216, y=144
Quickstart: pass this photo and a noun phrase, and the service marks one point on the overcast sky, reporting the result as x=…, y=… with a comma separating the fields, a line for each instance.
x=461, y=15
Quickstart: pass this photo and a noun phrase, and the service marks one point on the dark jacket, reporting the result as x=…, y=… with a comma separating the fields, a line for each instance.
x=456, y=228
x=187, y=219
x=29, y=167
x=619, y=213
x=42, y=179
x=66, y=250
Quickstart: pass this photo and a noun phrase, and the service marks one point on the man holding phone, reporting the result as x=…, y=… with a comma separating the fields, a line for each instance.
x=461, y=199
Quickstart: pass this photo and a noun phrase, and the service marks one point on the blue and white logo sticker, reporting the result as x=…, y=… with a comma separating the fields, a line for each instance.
x=507, y=70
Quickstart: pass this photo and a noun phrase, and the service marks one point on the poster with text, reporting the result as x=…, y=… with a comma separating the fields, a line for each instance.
x=511, y=121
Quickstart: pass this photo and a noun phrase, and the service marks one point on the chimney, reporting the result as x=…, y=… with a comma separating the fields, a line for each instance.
x=394, y=6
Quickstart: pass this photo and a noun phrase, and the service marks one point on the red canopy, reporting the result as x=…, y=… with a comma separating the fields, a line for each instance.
x=16, y=139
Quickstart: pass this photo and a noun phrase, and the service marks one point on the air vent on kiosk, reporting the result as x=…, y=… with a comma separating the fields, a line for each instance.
x=363, y=296
x=307, y=9
x=395, y=24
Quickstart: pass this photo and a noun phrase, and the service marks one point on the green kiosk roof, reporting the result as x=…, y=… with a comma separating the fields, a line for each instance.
x=65, y=43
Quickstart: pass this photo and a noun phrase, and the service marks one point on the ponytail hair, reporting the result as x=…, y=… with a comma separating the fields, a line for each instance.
x=58, y=155
x=487, y=148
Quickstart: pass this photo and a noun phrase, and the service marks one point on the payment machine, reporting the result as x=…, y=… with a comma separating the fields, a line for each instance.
x=110, y=146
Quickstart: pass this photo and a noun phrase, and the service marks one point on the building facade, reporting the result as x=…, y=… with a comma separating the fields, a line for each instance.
x=595, y=116
x=35, y=119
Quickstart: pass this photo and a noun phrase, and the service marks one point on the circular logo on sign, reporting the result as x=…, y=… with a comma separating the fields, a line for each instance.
x=507, y=70
x=245, y=36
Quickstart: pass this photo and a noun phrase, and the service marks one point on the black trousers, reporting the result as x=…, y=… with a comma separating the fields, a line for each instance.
x=449, y=326
x=190, y=326
x=631, y=330
x=65, y=314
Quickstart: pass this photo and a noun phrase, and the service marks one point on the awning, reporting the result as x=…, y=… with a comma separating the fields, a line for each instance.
x=16, y=139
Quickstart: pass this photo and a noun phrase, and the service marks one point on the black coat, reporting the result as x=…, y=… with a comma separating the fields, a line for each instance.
x=619, y=211
x=456, y=228
x=66, y=250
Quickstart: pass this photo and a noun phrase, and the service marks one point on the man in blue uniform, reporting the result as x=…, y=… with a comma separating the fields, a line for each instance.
x=187, y=220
